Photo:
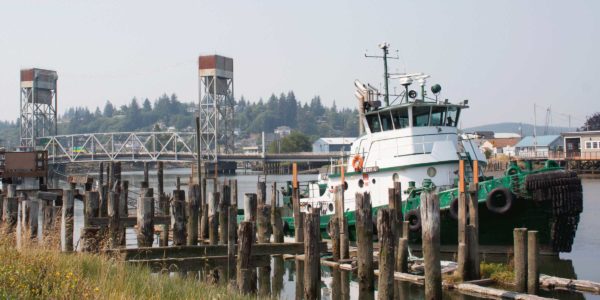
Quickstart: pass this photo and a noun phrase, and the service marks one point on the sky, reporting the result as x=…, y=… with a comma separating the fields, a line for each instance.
x=503, y=56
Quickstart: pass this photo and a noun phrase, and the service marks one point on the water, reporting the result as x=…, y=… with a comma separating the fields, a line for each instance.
x=581, y=263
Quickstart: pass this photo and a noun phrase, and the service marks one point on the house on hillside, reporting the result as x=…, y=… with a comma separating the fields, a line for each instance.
x=539, y=146
x=282, y=131
x=333, y=144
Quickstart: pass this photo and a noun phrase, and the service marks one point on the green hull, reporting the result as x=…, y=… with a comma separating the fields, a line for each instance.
x=549, y=202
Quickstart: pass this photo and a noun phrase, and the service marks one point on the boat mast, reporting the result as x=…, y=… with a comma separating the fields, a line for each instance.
x=386, y=76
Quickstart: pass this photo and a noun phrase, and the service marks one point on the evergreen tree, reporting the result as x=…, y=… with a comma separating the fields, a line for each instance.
x=109, y=109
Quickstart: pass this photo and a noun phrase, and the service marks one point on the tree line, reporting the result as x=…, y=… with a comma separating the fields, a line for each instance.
x=311, y=118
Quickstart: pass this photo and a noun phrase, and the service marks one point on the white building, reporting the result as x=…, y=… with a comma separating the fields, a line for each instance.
x=333, y=144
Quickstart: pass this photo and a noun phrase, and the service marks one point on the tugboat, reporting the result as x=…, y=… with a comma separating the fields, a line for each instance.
x=416, y=139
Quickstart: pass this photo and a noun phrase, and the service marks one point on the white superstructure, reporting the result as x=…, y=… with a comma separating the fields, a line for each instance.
x=411, y=141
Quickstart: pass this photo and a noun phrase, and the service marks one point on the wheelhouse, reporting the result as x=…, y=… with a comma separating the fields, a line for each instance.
x=413, y=115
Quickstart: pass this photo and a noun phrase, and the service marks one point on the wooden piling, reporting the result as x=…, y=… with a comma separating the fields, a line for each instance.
x=430, y=220
x=146, y=173
x=89, y=234
x=231, y=239
x=32, y=222
x=145, y=222
x=203, y=232
x=193, y=204
x=473, y=233
x=103, y=198
x=223, y=210
x=250, y=209
x=101, y=175
x=520, y=259
x=262, y=223
x=298, y=224
x=123, y=210
x=276, y=221
x=463, y=248
x=213, y=218
x=244, y=271
x=533, y=272
x=11, y=209
x=342, y=222
x=386, y=233
x=312, y=256
x=402, y=255
x=67, y=222
x=278, y=273
x=177, y=220
x=364, y=234
x=114, y=230
x=333, y=229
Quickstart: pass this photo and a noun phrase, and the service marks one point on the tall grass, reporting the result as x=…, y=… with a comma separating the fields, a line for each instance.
x=36, y=272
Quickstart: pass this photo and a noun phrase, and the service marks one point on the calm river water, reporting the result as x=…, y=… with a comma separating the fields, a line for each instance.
x=581, y=263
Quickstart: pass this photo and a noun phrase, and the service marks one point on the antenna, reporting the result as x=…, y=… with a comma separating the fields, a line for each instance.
x=385, y=47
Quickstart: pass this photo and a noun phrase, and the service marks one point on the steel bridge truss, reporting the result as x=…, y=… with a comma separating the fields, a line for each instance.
x=121, y=146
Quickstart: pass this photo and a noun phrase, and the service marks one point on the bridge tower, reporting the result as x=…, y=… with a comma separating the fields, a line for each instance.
x=38, y=105
x=216, y=106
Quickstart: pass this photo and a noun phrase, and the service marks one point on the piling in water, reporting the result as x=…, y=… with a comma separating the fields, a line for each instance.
x=430, y=220
x=312, y=271
x=364, y=234
x=520, y=259
x=386, y=230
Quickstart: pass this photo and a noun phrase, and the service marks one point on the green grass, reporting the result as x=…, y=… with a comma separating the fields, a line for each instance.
x=36, y=273
x=501, y=273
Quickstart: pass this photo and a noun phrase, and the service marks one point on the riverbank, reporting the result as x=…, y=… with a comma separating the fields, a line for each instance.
x=37, y=273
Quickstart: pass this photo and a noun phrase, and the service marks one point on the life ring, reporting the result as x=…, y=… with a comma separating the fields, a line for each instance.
x=357, y=162
x=499, y=200
x=414, y=220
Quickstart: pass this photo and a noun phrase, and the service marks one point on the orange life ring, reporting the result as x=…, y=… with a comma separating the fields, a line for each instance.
x=357, y=162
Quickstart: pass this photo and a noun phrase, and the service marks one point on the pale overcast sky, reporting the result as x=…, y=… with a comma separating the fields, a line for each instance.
x=503, y=56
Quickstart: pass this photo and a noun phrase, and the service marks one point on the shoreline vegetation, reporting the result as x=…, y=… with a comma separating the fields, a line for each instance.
x=36, y=272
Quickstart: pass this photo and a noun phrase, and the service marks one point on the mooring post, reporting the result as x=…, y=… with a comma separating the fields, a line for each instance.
x=178, y=219
x=342, y=222
x=364, y=235
x=276, y=221
x=114, y=226
x=520, y=259
x=213, y=218
x=430, y=235
x=192, y=219
x=533, y=272
x=277, y=280
x=123, y=210
x=145, y=222
x=89, y=234
x=312, y=256
x=67, y=222
x=402, y=255
x=386, y=233
x=244, y=271
x=11, y=210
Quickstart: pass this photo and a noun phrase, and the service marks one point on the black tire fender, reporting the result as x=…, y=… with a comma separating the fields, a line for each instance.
x=414, y=219
x=499, y=195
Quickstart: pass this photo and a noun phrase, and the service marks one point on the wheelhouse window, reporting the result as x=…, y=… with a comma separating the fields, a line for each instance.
x=452, y=116
x=438, y=116
x=400, y=117
x=386, y=121
x=421, y=116
x=374, y=124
